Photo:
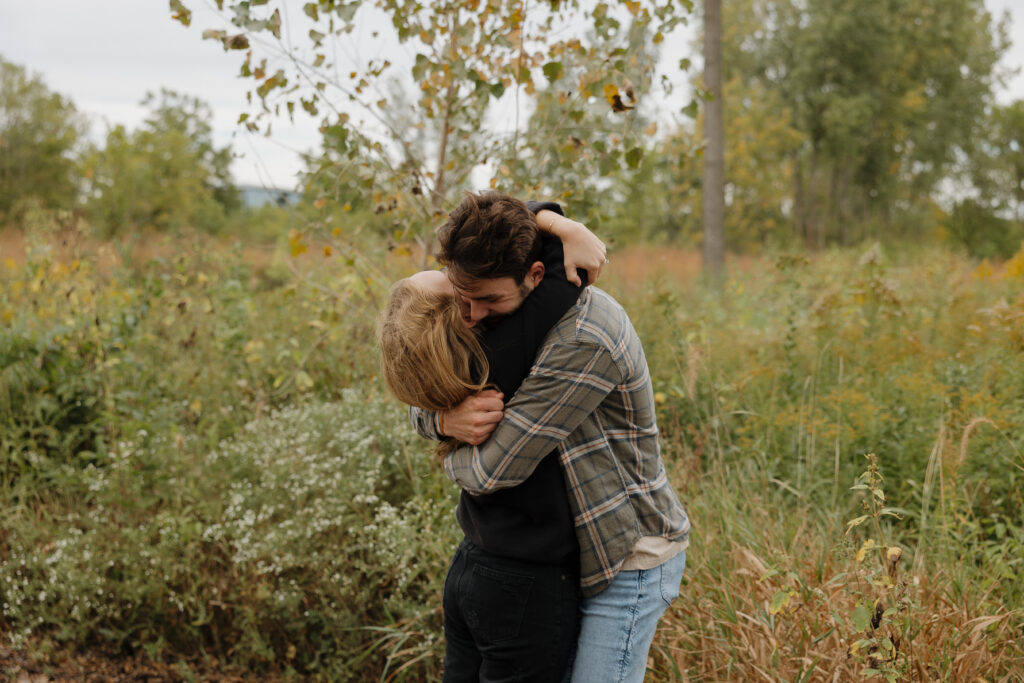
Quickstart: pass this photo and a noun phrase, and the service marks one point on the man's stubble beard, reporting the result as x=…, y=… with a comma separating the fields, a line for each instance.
x=524, y=291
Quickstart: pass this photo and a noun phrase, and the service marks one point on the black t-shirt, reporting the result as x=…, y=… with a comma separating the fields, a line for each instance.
x=531, y=522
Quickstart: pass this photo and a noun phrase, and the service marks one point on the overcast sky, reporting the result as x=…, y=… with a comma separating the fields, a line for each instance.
x=106, y=54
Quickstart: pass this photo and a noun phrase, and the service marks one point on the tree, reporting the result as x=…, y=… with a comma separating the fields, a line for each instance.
x=713, y=193
x=40, y=133
x=885, y=96
x=1008, y=139
x=477, y=66
x=584, y=150
x=166, y=175
x=988, y=216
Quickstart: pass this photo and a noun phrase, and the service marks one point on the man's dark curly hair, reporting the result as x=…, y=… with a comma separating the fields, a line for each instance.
x=489, y=235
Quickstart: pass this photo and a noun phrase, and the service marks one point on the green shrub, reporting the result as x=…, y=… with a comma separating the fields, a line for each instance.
x=50, y=403
x=279, y=550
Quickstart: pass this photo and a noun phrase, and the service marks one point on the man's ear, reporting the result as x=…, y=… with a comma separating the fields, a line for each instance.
x=535, y=274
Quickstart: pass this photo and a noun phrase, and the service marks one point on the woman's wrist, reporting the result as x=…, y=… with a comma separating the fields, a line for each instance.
x=550, y=222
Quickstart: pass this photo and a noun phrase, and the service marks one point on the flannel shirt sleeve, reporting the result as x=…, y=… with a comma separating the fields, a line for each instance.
x=566, y=385
x=425, y=423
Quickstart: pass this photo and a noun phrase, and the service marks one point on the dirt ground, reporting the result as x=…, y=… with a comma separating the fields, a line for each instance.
x=19, y=666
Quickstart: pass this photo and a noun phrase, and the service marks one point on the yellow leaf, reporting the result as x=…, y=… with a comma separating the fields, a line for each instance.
x=196, y=407
x=864, y=548
x=295, y=243
x=347, y=207
x=327, y=251
x=320, y=203
x=659, y=397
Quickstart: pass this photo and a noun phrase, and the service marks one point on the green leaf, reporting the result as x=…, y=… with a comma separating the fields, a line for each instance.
x=691, y=109
x=419, y=68
x=861, y=618
x=303, y=381
x=338, y=137
x=634, y=156
x=346, y=12
x=274, y=24
x=311, y=11
x=553, y=71
x=780, y=600
x=498, y=89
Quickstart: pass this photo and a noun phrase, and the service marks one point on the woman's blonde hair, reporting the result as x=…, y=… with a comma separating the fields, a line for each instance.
x=430, y=358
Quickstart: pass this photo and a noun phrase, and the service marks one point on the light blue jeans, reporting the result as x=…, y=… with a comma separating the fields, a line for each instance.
x=619, y=623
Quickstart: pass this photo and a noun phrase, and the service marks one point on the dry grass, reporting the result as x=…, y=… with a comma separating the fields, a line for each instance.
x=722, y=628
x=108, y=254
x=756, y=533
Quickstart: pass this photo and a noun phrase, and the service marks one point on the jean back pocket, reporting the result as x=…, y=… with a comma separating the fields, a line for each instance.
x=496, y=602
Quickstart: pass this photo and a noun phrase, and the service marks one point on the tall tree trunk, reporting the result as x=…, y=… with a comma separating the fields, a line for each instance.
x=815, y=209
x=713, y=204
x=800, y=218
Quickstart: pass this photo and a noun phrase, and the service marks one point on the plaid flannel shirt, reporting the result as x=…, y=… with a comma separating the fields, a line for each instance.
x=589, y=395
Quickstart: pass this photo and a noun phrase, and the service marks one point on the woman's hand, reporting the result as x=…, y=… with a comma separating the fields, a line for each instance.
x=473, y=420
x=583, y=249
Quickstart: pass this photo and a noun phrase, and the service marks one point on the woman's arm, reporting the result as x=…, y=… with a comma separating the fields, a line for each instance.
x=583, y=249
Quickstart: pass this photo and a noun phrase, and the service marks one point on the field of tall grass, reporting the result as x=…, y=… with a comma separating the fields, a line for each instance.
x=199, y=464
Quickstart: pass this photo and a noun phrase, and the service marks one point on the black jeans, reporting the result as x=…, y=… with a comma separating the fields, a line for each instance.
x=506, y=620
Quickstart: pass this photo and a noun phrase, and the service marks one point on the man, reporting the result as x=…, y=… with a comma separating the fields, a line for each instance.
x=588, y=397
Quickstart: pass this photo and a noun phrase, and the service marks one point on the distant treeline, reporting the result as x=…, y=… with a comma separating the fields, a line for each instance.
x=845, y=121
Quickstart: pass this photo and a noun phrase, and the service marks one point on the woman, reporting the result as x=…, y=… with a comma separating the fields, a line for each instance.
x=514, y=613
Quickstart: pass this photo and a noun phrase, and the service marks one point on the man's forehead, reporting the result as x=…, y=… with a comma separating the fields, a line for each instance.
x=484, y=286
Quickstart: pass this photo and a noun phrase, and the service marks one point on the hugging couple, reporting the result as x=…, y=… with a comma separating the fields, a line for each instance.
x=536, y=387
